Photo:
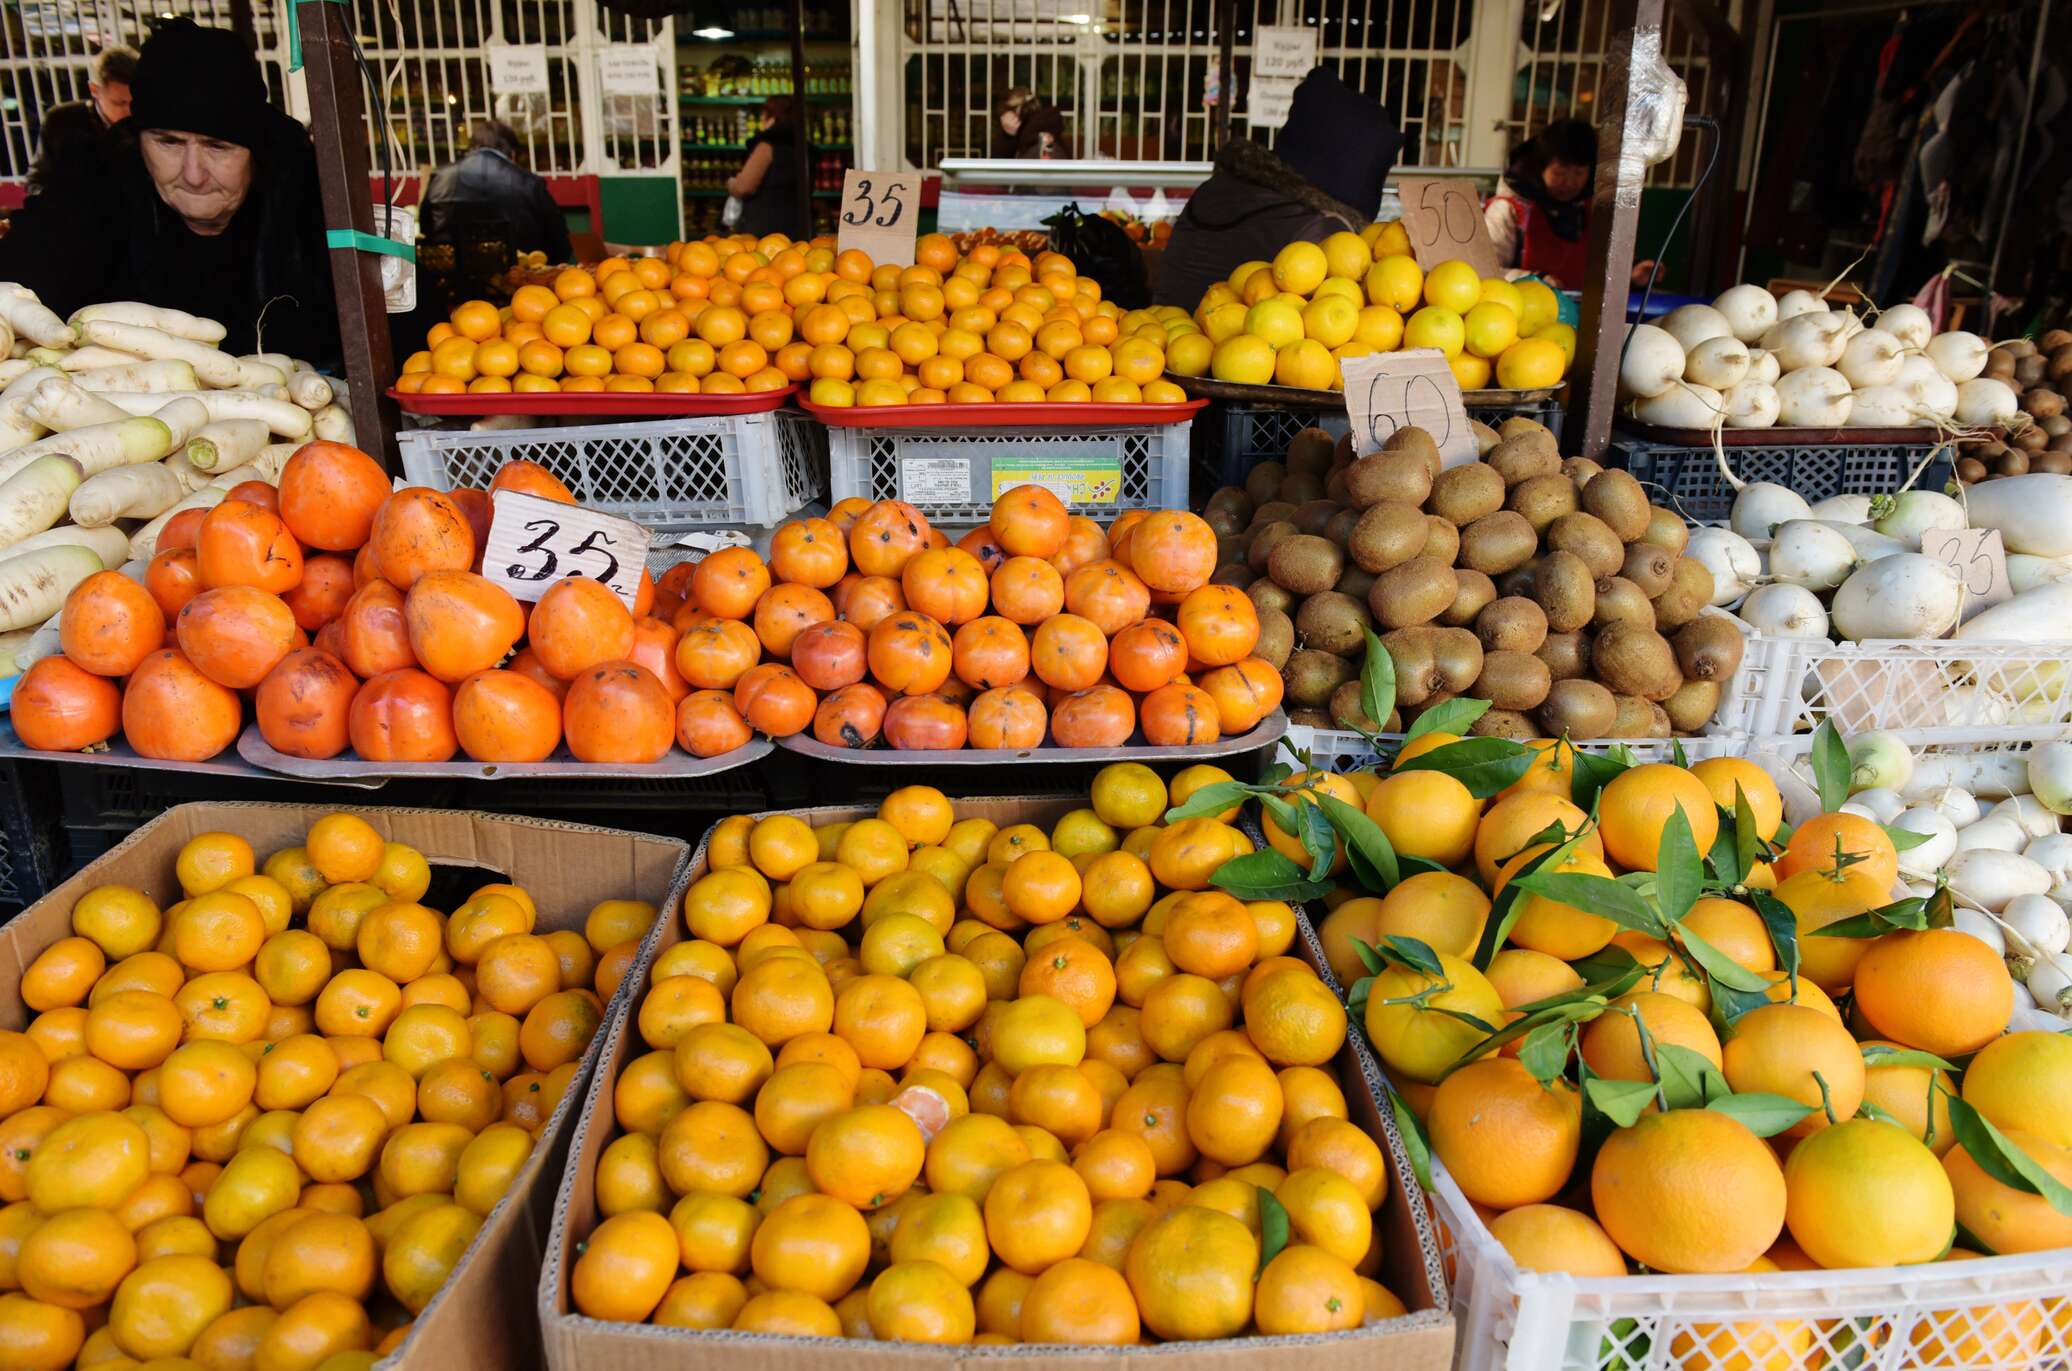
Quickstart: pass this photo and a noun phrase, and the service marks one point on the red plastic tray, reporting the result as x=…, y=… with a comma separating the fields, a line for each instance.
x=584, y=404
x=1000, y=415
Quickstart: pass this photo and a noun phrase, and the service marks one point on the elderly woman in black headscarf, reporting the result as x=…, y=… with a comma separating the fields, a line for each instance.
x=1325, y=175
x=210, y=204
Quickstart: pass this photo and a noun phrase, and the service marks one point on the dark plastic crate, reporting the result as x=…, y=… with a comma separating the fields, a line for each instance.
x=1239, y=437
x=29, y=837
x=1688, y=479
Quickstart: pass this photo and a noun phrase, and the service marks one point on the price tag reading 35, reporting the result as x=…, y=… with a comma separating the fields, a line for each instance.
x=1386, y=391
x=1980, y=557
x=880, y=213
x=1443, y=217
x=533, y=543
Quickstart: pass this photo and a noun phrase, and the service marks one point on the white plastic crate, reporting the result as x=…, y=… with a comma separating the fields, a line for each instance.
x=665, y=474
x=1930, y=685
x=1344, y=750
x=951, y=476
x=1996, y=1314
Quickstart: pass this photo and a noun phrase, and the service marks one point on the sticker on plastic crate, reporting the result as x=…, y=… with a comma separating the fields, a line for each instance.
x=711, y=541
x=1091, y=479
x=1386, y=391
x=935, y=480
x=1980, y=558
x=533, y=543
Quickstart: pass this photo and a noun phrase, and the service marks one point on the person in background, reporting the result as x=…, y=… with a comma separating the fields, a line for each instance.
x=768, y=183
x=1040, y=131
x=1007, y=125
x=1325, y=175
x=75, y=133
x=210, y=205
x=489, y=188
x=1539, y=218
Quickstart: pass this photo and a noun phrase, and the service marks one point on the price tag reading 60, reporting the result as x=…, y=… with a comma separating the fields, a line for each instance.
x=879, y=213
x=533, y=543
x=1415, y=388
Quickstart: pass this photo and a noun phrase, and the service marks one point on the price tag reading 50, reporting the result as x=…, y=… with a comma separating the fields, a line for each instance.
x=1386, y=391
x=533, y=543
x=1443, y=218
x=879, y=213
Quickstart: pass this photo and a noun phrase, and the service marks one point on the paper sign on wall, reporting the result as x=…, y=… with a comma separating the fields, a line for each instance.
x=1266, y=106
x=879, y=215
x=517, y=69
x=1980, y=557
x=1386, y=391
x=533, y=543
x=629, y=69
x=1443, y=216
x=1287, y=50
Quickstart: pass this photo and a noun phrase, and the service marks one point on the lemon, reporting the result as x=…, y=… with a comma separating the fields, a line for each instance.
x=1560, y=335
x=1531, y=363
x=1244, y=359
x=1307, y=364
x=1470, y=371
x=1349, y=288
x=1489, y=329
x=1434, y=327
x=1243, y=272
x=827, y=390
x=1219, y=294
x=1169, y=311
x=1380, y=328
x=1537, y=304
x=1300, y=267
x=1164, y=393
x=1188, y=355
x=1497, y=291
x=1453, y=285
x=1259, y=286
x=1346, y=255
x=1277, y=321
x=1330, y=319
x=1393, y=238
x=1395, y=281
x=1224, y=321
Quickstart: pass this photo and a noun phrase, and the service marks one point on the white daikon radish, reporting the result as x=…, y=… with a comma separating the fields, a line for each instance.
x=34, y=498
x=1903, y=596
x=1730, y=558
x=285, y=419
x=1989, y=878
x=1848, y=509
x=2031, y=1018
x=1871, y=358
x=1761, y=506
x=1956, y=804
x=2029, y=812
x=60, y=405
x=226, y=443
x=1984, y=927
x=334, y=424
x=1870, y=544
x=1751, y=404
x=110, y=545
x=1883, y=406
x=98, y=447
x=1808, y=340
x=2025, y=572
x=1653, y=363
x=1748, y=310
x=1691, y=325
x=144, y=542
x=29, y=319
x=2034, y=616
x=1934, y=392
x=214, y=367
x=1813, y=397
x=92, y=358
x=266, y=466
x=1762, y=366
x=1880, y=762
x=1907, y=322
x=2050, y=776
x=2037, y=922
x=157, y=377
x=1926, y=858
x=1796, y=302
x=1957, y=354
x=1720, y=362
x=1911, y=513
x=1782, y=611
x=309, y=390
x=1683, y=405
x=176, y=322
x=2052, y=852
x=1985, y=401
x=2033, y=512
x=1976, y=707
x=2001, y=835
x=1880, y=802
x=182, y=415
x=34, y=585
x=1995, y=775
x=136, y=492
x=279, y=361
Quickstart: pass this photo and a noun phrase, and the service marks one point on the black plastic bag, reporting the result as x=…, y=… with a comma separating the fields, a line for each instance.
x=1100, y=249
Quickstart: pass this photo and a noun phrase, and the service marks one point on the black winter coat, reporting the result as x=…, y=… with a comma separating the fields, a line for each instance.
x=486, y=185
x=1250, y=208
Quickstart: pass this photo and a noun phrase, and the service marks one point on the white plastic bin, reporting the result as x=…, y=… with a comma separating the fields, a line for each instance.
x=952, y=476
x=1927, y=685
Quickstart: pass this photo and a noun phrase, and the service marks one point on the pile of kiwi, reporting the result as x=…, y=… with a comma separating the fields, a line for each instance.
x=2039, y=371
x=1553, y=589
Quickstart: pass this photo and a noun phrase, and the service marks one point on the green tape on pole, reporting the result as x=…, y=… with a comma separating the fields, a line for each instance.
x=295, y=33
x=368, y=242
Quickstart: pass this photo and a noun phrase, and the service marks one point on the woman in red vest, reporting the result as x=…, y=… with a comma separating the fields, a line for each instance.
x=1539, y=218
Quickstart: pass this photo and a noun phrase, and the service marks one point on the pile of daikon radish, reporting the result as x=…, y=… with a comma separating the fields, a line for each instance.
x=1752, y=360
x=113, y=421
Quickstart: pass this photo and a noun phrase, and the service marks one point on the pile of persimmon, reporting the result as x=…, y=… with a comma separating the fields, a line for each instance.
x=356, y=617
x=260, y=1127
x=869, y=625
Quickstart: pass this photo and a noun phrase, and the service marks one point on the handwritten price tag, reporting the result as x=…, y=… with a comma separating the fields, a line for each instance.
x=880, y=211
x=533, y=543
x=1443, y=216
x=1980, y=558
x=1385, y=391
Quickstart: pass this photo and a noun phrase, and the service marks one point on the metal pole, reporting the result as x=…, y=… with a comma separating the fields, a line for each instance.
x=802, y=148
x=1226, y=38
x=2021, y=148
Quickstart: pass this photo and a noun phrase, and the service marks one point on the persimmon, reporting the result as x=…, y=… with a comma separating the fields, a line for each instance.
x=1119, y=533
x=618, y=712
x=866, y=600
x=830, y=655
x=501, y=716
x=729, y=582
x=258, y=493
x=774, y=700
x=1109, y=594
x=365, y=570
x=376, y=633
x=847, y=510
x=850, y=717
x=947, y=585
x=578, y=624
x=181, y=530
x=324, y=591
x=654, y=647
x=243, y=544
x=910, y=653
x=58, y=707
x=173, y=577
x=1146, y=655
x=888, y=536
x=403, y=716
x=1068, y=651
x=329, y=493
x=1220, y=623
x=924, y=723
x=1029, y=521
x=643, y=595
x=1085, y=544
x=990, y=652
x=1102, y=716
x=1245, y=692
x=982, y=543
x=1010, y=717
x=460, y=623
x=707, y=724
x=171, y=712
x=330, y=638
x=1173, y=550
x=475, y=505
x=1027, y=590
x=235, y=634
x=530, y=478
x=786, y=611
x=110, y=624
x=809, y=552
x=416, y=530
x=714, y=656
x=527, y=664
x=1180, y=715
x=677, y=579
x=304, y=706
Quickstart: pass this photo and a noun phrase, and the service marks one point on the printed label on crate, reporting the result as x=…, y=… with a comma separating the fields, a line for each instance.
x=1980, y=557
x=935, y=480
x=1443, y=216
x=629, y=69
x=1092, y=479
x=709, y=542
x=879, y=214
x=1385, y=391
x=534, y=543
x=1284, y=50
x=517, y=69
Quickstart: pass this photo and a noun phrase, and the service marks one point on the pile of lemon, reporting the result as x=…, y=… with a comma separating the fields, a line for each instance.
x=1293, y=321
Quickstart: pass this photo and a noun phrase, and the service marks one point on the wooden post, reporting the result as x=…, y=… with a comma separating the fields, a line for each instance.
x=338, y=125
x=801, y=146
x=1614, y=222
x=1226, y=38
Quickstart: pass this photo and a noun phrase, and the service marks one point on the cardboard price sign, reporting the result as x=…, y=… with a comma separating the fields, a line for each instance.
x=1385, y=391
x=879, y=214
x=1443, y=216
x=533, y=543
x=1980, y=558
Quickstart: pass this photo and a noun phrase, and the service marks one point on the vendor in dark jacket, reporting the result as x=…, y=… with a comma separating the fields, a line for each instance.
x=210, y=205
x=488, y=190
x=75, y=134
x=1326, y=175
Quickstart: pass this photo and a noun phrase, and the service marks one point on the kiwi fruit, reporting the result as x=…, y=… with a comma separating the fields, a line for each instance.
x=1666, y=529
x=2013, y=464
x=1314, y=516
x=1301, y=487
x=1274, y=511
x=1388, y=535
x=1620, y=502
x=2043, y=404
x=1340, y=529
x=1578, y=709
x=1512, y=624
x=1635, y=719
x=1693, y=705
x=1276, y=638
x=2054, y=462
x=1263, y=482
x=1580, y=470
x=1636, y=661
x=1674, y=608
x=1233, y=574
x=1484, y=436
x=1523, y=456
x=1512, y=680
x=1379, y=476
x=1265, y=540
x=2031, y=370
x=1225, y=520
x=1591, y=539
x=1443, y=541
x=1417, y=443
x=1232, y=498
x=1333, y=622
x=1709, y=648
x=1567, y=655
x=1518, y=423
x=2054, y=339
x=1497, y=543
x=1564, y=588
x=1504, y=723
x=1691, y=575
x=1312, y=676
x=1417, y=592
x=1461, y=495
x=1310, y=450
x=1355, y=581
x=1648, y=567
x=1334, y=486
x=1970, y=470
x=1346, y=709
x=1305, y=563
x=1231, y=547
x=1475, y=594
x=1619, y=601
x=1432, y=661
x=1518, y=580
x=1543, y=499
x=1266, y=596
